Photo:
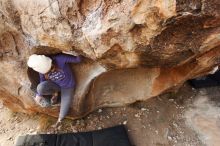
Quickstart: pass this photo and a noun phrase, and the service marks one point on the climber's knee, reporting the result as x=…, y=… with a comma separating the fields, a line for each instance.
x=47, y=88
x=41, y=88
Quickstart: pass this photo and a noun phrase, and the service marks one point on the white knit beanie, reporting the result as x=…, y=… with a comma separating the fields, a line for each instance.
x=40, y=63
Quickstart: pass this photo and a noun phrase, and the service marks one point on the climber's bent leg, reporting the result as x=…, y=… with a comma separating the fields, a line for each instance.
x=47, y=88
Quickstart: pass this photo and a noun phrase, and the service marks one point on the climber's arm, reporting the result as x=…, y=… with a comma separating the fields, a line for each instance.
x=65, y=58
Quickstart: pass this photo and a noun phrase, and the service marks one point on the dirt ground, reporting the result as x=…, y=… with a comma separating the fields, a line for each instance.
x=188, y=117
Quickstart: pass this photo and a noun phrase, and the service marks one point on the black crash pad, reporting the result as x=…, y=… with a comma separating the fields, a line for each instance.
x=206, y=81
x=115, y=136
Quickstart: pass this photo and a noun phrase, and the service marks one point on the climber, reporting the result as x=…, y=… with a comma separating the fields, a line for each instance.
x=55, y=76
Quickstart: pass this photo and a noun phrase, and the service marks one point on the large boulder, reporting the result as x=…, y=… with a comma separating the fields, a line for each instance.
x=133, y=49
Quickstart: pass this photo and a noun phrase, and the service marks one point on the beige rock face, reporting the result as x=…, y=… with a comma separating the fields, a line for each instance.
x=133, y=49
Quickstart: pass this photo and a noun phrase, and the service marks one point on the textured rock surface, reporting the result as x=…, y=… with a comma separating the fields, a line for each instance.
x=133, y=49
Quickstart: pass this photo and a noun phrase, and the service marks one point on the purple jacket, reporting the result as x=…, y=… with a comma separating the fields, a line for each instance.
x=63, y=76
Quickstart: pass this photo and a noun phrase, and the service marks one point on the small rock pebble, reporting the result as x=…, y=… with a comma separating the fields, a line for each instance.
x=125, y=122
x=169, y=138
x=137, y=115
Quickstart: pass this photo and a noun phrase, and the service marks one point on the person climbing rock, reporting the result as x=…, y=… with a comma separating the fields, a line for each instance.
x=55, y=76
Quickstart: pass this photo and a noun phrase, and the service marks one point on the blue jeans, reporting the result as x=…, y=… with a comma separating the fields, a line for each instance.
x=49, y=88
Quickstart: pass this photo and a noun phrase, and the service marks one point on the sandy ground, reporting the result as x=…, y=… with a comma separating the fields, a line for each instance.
x=188, y=117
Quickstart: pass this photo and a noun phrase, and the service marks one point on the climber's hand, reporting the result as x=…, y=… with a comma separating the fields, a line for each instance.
x=71, y=53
